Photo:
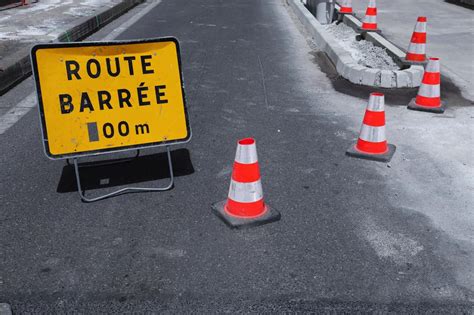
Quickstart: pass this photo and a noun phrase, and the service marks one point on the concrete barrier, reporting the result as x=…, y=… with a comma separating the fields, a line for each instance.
x=346, y=66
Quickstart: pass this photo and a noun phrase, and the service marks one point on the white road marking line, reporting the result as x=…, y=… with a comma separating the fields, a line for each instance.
x=119, y=30
x=16, y=112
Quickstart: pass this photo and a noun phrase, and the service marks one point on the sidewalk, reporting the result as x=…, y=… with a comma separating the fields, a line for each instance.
x=46, y=21
x=450, y=33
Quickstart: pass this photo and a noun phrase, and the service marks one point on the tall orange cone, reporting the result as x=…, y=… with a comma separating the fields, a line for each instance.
x=245, y=205
x=417, y=49
x=346, y=6
x=428, y=98
x=369, y=23
x=372, y=143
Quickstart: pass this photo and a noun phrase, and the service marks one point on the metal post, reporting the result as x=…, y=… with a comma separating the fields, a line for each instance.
x=323, y=10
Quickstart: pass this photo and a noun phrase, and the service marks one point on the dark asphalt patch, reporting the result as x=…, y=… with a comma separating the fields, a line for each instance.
x=237, y=304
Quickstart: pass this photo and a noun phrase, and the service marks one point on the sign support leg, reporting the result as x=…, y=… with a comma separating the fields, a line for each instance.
x=126, y=189
x=111, y=162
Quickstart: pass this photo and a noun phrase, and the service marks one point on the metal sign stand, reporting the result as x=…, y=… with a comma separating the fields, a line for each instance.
x=123, y=190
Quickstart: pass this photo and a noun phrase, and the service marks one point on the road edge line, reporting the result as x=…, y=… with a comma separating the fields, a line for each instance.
x=5, y=309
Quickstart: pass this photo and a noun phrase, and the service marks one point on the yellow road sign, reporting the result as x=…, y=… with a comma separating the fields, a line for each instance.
x=102, y=97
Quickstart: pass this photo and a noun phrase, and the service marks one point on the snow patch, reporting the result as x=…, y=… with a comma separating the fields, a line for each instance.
x=93, y=3
x=27, y=32
x=395, y=246
x=79, y=11
x=44, y=20
x=44, y=6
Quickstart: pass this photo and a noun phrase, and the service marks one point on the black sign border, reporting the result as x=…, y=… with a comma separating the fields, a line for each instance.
x=34, y=64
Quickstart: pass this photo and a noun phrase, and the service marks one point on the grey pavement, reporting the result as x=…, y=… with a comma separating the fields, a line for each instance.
x=43, y=21
x=355, y=235
x=450, y=33
x=21, y=27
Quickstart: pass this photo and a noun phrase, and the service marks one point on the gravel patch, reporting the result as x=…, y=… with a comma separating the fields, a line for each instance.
x=364, y=52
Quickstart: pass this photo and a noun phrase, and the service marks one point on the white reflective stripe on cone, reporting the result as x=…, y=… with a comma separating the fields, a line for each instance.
x=246, y=154
x=420, y=27
x=372, y=134
x=376, y=103
x=429, y=90
x=433, y=66
x=245, y=192
x=415, y=48
x=370, y=19
x=372, y=4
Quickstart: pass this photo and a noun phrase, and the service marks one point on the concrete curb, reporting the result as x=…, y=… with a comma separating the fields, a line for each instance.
x=17, y=70
x=398, y=54
x=5, y=309
x=346, y=66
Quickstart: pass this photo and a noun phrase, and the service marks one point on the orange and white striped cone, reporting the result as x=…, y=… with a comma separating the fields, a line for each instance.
x=372, y=143
x=416, y=53
x=345, y=6
x=245, y=206
x=369, y=23
x=428, y=98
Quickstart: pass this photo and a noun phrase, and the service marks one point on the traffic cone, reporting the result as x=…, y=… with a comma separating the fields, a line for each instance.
x=372, y=143
x=245, y=206
x=416, y=53
x=428, y=98
x=369, y=23
x=346, y=7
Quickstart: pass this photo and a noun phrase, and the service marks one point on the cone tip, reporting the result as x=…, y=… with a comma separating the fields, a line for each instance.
x=422, y=19
x=376, y=102
x=433, y=65
x=246, y=141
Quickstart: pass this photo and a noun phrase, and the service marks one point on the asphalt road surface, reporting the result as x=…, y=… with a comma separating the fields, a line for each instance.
x=343, y=243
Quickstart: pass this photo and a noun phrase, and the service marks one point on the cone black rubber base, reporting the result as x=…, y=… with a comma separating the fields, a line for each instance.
x=344, y=13
x=437, y=110
x=362, y=31
x=271, y=215
x=413, y=63
x=353, y=152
